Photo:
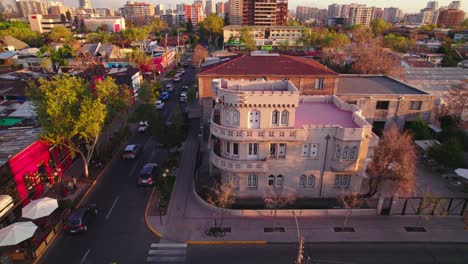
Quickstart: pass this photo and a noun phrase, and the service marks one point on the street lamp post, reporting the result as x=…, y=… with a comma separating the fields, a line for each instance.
x=323, y=167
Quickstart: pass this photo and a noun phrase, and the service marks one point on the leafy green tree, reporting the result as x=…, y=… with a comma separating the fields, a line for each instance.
x=420, y=130
x=448, y=154
x=58, y=33
x=429, y=28
x=149, y=92
x=210, y=28
x=451, y=58
x=189, y=26
x=398, y=43
x=58, y=57
x=293, y=23
x=101, y=37
x=156, y=26
x=138, y=58
x=70, y=113
x=135, y=34
x=247, y=39
x=21, y=31
x=465, y=23
x=379, y=26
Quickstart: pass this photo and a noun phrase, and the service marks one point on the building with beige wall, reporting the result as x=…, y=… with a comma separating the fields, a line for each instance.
x=307, y=75
x=264, y=134
x=384, y=100
x=269, y=36
x=44, y=24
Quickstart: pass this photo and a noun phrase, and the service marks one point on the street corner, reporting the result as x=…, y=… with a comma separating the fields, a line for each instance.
x=148, y=221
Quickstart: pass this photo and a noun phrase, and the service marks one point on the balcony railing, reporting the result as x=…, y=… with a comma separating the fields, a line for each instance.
x=238, y=165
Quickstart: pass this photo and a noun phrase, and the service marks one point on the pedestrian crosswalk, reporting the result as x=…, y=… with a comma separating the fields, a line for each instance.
x=167, y=252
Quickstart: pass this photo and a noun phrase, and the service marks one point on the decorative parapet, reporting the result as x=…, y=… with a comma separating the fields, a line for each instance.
x=238, y=165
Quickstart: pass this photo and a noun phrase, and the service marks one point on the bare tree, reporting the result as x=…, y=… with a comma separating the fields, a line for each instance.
x=372, y=58
x=456, y=101
x=394, y=160
x=275, y=200
x=199, y=54
x=349, y=202
x=223, y=197
x=428, y=206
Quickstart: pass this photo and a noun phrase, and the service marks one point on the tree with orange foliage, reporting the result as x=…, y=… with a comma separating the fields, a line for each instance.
x=394, y=160
x=372, y=58
x=199, y=54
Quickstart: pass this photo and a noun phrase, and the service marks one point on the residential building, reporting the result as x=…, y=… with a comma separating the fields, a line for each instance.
x=392, y=15
x=264, y=12
x=335, y=10
x=112, y=24
x=450, y=18
x=9, y=43
x=57, y=8
x=235, y=12
x=103, y=52
x=322, y=17
x=171, y=19
x=263, y=136
x=455, y=5
x=197, y=14
x=221, y=9
x=412, y=19
x=304, y=13
x=44, y=24
x=85, y=4
x=130, y=77
x=159, y=10
x=266, y=37
x=361, y=15
x=432, y=4
x=460, y=36
x=428, y=16
x=180, y=8
x=384, y=100
x=210, y=7
x=307, y=75
x=104, y=12
x=29, y=60
x=138, y=13
x=30, y=7
x=378, y=13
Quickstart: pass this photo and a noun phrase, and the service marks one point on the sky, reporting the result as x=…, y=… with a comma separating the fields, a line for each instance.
x=408, y=6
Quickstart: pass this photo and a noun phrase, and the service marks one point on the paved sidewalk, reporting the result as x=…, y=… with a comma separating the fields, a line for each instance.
x=188, y=218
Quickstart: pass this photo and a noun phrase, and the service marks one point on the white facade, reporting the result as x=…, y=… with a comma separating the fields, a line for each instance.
x=44, y=24
x=114, y=24
x=265, y=135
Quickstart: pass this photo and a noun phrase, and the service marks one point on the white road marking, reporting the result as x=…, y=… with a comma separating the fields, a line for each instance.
x=85, y=256
x=165, y=259
x=110, y=210
x=133, y=169
x=168, y=245
x=166, y=252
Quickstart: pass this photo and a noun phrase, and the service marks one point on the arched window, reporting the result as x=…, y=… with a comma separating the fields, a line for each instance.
x=279, y=181
x=353, y=153
x=284, y=117
x=235, y=181
x=311, y=181
x=275, y=117
x=227, y=116
x=235, y=117
x=271, y=180
x=337, y=151
x=302, y=181
x=345, y=152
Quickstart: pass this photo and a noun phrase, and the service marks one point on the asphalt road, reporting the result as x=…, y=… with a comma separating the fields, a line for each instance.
x=119, y=233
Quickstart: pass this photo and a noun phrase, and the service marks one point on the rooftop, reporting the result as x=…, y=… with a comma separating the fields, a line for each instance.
x=265, y=27
x=13, y=141
x=322, y=114
x=373, y=84
x=282, y=65
x=258, y=86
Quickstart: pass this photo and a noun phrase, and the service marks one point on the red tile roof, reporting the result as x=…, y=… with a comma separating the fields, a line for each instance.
x=282, y=65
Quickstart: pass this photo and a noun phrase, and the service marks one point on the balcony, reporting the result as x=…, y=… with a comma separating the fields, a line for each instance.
x=237, y=165
x=253, y=134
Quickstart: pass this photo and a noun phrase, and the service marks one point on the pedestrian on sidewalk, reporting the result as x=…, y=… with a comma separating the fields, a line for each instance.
x=74, y=183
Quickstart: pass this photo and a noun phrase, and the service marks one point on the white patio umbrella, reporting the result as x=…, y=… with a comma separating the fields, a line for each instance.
x=462, y=173
x=16, y=233
x=40, y=208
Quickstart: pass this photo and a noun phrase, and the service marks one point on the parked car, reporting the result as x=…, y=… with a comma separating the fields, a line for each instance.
x=148, y=174
x=169, y=87
x=159, y=104
x=183, y=97
x=185, y=64
x=143, y=126
x=177, y=79
x=181, y=71
x=194, y=66
x=131, y=151
x=80, y=218
x=184, y=89
x=164, y=96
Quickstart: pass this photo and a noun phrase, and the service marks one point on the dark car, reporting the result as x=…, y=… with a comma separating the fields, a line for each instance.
x=164, y=96
x=80, y=218
x=131, y=151
x=148, y=174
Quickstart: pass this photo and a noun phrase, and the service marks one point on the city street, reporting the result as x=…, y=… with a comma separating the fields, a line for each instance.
x=119, y=232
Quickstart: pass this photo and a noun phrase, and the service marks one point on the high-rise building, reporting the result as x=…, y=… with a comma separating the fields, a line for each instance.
x=412, y=18
x=138, y=13
x=85, y=4
x=378, y=13
x=335, y=10
x=361, y=15
x=30, y=7
x=304, y=13
x=427, y=16
x=159, y=10
x=221, y=8
x=180, y=8
x=56, y=8
x=264, y=12
x=104, y=12
x=432, y=4
x=210, y=7
x=235, y=12
x=391, y=15
x=197, y=14
x=455, y=5
x=450, y=18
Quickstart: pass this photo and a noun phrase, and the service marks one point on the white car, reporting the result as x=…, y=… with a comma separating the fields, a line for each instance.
x=143, y=126
x=181, y=71
x=169, y=87
x=184, y=89
x=177, y=79
x=183, y=97
x=159, y=104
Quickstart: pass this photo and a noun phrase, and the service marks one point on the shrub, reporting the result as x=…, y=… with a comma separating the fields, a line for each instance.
x=448, y=154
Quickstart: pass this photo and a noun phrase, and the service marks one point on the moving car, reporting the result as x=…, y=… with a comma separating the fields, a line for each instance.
x=164, y=96
x=183, y=97
x=181, y=71
x=131, y=151
x=80, y=218
x=148, y=174
x=159, y=104
x=143, y=126
x=177, y=79
x=184, y=89
x=169, y=87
